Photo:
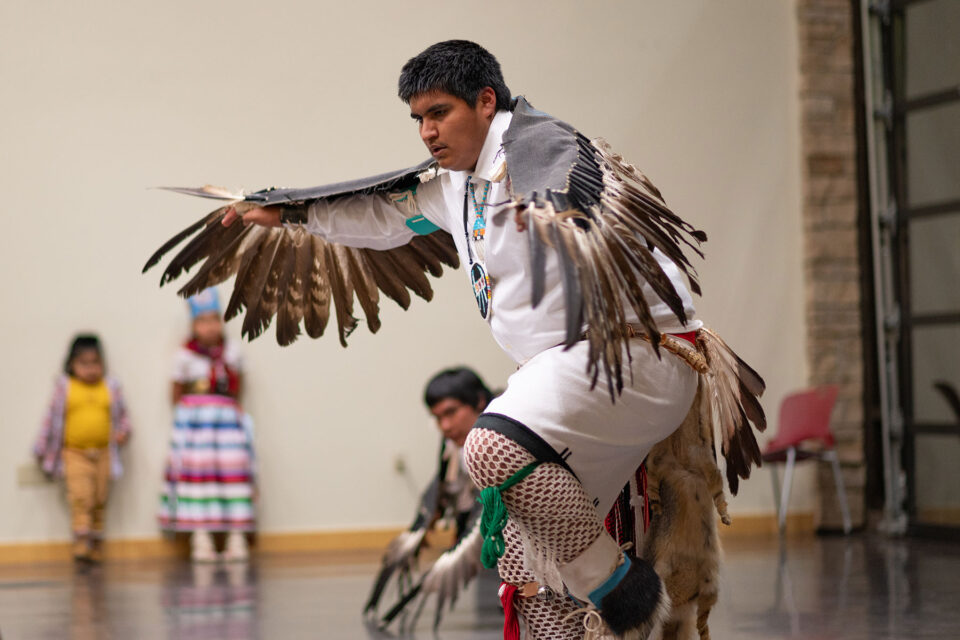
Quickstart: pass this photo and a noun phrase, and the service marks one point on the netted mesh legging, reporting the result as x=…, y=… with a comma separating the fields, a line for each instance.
x=549, y=505
x=543, y=620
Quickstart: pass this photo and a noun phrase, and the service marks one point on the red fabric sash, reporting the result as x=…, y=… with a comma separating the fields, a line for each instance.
x=223, y=379
x=689, y=336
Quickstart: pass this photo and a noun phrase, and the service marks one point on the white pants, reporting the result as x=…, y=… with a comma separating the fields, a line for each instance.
x=603, y=442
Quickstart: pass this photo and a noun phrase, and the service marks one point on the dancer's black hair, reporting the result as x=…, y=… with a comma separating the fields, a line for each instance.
x=458, y=67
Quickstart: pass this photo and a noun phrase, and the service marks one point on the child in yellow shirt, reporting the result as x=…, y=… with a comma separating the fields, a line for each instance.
x=79, y=440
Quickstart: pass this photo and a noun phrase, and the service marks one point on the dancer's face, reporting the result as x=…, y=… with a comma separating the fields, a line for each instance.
x=452, y=130
x=455, y=418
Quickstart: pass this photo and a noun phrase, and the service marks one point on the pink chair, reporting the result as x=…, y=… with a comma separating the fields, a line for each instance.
x=805, y=420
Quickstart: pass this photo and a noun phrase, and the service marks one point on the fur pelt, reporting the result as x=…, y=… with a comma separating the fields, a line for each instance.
x=686, y=495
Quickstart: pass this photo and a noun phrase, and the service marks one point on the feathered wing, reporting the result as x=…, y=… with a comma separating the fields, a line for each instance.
x=604, y=219
x=729, y=396
x=402, y=554
x=296, y=277
x=445, y=579
x=453, y=571
x=398, y=562
x=733, y=389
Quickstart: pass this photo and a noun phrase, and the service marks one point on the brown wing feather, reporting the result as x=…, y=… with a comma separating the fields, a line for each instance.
x=259, y=290
x=387, y=278
x=438, y=252
x=733, y=389
x=342, y=290
x=180, y=237
x=247, y=260
x=407, y=262
x=365, y=287
x=605, y=226
x=200, y=246
x=289, y=294
x=219, y=267
x=316, y=314
x=294, y=276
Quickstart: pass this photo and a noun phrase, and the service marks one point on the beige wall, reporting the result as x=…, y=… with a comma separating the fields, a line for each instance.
x=102, y=100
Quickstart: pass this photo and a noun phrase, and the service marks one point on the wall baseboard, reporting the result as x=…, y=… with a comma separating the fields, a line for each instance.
x=323, y=541
x=766, y=524
x=943, y=516
x=179, y=546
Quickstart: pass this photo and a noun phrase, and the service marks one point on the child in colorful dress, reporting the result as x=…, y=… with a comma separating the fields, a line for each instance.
x=209, y=475
x=80, y=439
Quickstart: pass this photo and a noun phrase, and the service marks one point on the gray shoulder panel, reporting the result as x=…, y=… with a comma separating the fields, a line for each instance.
x=392, y=181
x=540, y=151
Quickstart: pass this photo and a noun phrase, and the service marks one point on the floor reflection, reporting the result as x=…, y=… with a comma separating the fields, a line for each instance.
x=87, y=604
x=862, y=587
x=851, y=588
x=215, y=601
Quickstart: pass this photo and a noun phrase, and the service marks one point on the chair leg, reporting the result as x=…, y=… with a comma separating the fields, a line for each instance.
x=785, y=492
x=775, y=480
x=841, y=490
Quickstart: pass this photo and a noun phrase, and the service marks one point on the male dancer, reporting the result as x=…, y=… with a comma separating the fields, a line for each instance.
x=581, y=285
x=455, y=397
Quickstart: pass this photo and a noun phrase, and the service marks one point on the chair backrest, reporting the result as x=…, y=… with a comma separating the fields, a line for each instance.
x=805, y=415
x=949, y=393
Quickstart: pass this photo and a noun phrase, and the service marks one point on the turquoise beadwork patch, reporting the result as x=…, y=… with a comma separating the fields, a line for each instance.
x=421, y=226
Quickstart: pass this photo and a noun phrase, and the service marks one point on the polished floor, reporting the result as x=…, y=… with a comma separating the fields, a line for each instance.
x=810, y=588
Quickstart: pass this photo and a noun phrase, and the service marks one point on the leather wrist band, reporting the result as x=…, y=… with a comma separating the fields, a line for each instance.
x=293, y=215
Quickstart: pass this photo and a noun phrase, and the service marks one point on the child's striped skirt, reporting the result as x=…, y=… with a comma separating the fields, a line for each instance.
x=210, y=470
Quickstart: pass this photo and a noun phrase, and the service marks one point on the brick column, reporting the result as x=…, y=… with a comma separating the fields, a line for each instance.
x=831, y=261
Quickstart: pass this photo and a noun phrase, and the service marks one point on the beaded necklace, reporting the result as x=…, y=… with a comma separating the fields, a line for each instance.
x=480, y=223
x=478, y=274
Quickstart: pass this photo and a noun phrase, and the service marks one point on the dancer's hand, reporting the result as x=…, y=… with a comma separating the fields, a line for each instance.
x=263, y=216
x=520, y=217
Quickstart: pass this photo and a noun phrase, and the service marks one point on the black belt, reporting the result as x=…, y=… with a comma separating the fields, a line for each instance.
x=522, y=435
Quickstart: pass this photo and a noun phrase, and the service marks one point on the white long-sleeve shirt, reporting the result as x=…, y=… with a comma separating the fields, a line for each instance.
x=380, y=222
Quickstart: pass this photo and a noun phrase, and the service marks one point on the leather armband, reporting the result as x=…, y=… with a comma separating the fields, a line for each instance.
x=293, y=215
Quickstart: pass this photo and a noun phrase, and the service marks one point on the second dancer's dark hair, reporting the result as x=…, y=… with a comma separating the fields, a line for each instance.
x=459, y=383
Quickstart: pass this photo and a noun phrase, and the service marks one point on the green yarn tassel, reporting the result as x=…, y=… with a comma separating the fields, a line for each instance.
x=492, y=521
x=494, y=517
